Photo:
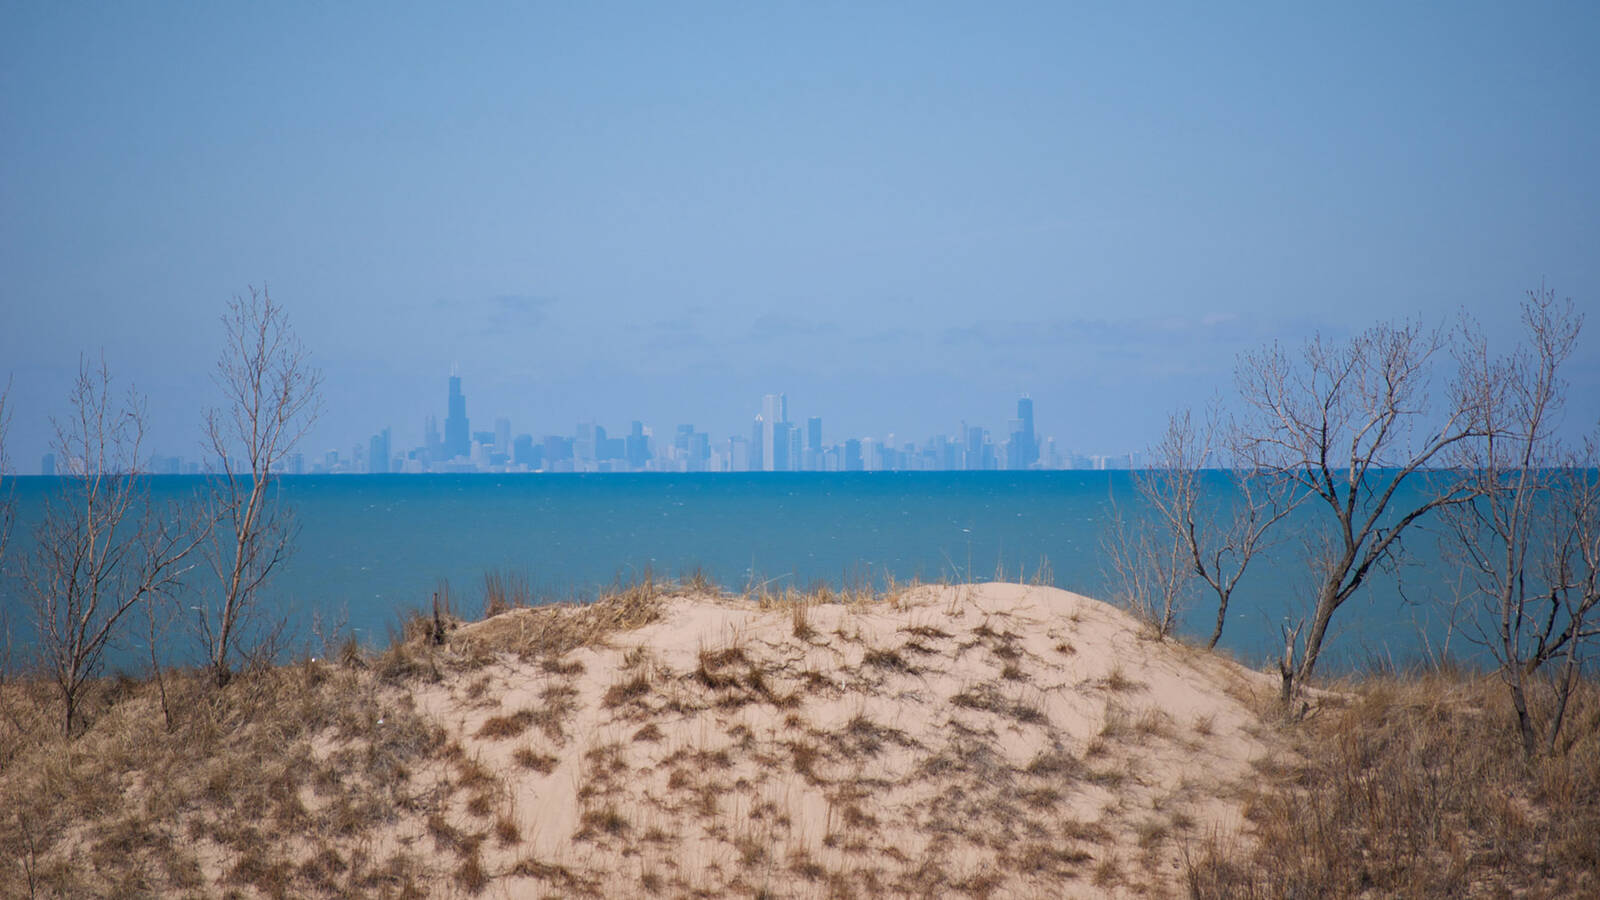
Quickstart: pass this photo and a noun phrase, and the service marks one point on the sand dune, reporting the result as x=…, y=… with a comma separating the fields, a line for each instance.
x=979, y=740
x=993, y=739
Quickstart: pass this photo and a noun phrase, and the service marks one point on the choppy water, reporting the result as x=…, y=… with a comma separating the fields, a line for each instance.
x=371, y=546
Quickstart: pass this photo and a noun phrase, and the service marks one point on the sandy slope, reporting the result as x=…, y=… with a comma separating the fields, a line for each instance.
x=992, y=739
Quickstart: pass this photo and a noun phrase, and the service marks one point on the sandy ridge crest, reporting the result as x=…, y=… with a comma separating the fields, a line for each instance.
x=982, y=740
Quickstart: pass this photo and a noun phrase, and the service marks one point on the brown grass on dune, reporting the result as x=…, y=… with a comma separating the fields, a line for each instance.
x=551, y=631
x=292, y=780
x=976, y=741
x=1419, y=788
x=273, y=781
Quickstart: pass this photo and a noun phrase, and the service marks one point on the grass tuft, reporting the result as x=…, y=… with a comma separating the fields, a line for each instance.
x=1419, y=787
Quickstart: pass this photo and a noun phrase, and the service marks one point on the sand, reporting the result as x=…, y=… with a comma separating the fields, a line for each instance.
x=982, y=740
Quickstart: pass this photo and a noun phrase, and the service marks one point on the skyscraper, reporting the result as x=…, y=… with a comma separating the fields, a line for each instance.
x=502, y=435
x=586, y=442
x=972, y=451
x=522, y=451
x=457, y=438
x=758, y=440
x=812, y=460
x=638, y=447
x=378, y=453
x=775, y=436
x=852, y=455
x=777, y=449
x=431, y=442
x=1025, y=439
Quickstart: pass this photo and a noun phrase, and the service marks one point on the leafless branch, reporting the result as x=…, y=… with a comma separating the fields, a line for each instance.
x=102, y=547
x=1349, y=423
x=273, y=398
x=1217, y=522
x=1522, y=539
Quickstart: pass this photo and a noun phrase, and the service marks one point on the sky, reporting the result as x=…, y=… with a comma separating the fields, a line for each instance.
x=900, y=215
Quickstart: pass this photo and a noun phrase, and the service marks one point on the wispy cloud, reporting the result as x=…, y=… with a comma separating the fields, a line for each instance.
x=682, y=332
x=497, y=314
x=1100, y=333
x=886, y=336
x=518, y=311
x=1173, y=345
x=776, y=326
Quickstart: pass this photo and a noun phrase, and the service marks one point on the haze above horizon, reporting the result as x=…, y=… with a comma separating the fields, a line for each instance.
x=899, y=217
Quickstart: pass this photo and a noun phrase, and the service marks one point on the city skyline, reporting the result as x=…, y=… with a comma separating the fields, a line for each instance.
x=776, y=443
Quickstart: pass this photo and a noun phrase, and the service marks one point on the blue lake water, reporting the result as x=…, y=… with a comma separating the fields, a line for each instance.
x=370, y=547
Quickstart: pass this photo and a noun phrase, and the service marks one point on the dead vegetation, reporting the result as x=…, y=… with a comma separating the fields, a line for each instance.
x=928, y=746
x=274, y=783
x=1419, y=788
x=317, y=777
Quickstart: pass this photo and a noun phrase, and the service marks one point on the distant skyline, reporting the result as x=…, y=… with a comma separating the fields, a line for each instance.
x=777, y=441
x=904, y=215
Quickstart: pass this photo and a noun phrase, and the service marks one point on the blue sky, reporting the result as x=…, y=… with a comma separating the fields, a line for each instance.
x=901, y=215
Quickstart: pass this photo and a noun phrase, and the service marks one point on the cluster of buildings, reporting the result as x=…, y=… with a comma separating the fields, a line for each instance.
x=775, y=443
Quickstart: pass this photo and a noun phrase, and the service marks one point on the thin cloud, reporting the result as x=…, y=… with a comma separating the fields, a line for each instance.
x=493, y=315
x=517, y=311
x=775, y=326
x=886, y=336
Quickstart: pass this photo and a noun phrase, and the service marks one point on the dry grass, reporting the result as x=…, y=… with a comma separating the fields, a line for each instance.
x=800, y=621
x=136, y=802
x=529, y=758
x=277, y=784
x=551, y=631
x=1118, y=681
x=505, y=591
x=1419, y=788
x=501, y=727
x=629, y=690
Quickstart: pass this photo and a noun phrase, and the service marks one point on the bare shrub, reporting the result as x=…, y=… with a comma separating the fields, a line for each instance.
x=1203, y=526
x=103, y=546
x=272, y=400
x=1347, y=423
x=1147, y=569
x=1528, y=541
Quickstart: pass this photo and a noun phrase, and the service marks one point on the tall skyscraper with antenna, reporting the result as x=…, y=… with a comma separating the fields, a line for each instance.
x=457, y=438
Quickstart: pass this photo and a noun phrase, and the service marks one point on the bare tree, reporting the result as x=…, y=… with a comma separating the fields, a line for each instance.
x=1576, y=573
x=273, y=397
x=1148, y=569
x=1525, y=540
x=103, y=547
x=1348, y=423
x=1217, y=524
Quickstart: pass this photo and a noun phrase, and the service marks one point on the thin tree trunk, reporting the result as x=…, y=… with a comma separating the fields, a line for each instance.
x=1319, y=629
x=1519, y=702
x=1222, y=618
x=1569, y=679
